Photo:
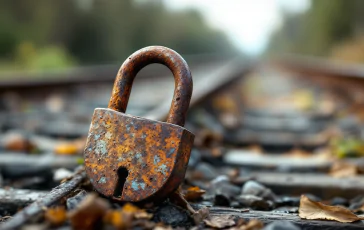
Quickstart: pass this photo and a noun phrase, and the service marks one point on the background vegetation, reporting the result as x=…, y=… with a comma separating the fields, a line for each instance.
x=43, y=34
x=330, y=28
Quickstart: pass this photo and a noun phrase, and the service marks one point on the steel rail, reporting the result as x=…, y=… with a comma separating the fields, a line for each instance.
x=208, y=84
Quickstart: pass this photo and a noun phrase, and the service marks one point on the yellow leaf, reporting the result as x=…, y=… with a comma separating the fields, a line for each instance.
x=317, y=211
x=193, y=193
x=66, y=149
x=122, y=218
x=56, y=216
x=118, y=219
x=89, y=212
x=303, y=99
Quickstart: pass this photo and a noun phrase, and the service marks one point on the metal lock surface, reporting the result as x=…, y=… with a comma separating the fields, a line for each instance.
x=134, y=159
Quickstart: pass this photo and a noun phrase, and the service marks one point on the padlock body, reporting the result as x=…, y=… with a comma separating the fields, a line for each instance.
x=134, y=159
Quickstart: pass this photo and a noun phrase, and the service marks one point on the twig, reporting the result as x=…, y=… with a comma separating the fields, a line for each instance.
x=39, y=206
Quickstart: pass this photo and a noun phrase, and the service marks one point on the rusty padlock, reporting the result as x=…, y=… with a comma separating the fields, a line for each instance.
x=134, y=159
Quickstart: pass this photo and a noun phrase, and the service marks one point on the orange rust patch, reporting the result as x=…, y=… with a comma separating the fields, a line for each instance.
x=154, y=153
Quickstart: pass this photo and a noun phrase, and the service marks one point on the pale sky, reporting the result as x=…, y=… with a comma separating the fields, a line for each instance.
x=248, y=23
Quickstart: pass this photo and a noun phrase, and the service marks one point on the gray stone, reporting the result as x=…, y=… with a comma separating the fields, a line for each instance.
x=206, y=171
x=254, y=188
x=255, y=202
x=172, y=215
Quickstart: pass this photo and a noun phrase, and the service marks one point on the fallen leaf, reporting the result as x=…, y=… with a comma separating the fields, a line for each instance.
x=200, y=215
x=136, y=212
x=66, y=149
x=163, y=228
x=123, y=218
x=56, y=216
x=18, y=142
x=222, y=221
x=251, y=225
x=343, y=169
x=193, y=193
x=70, y=147
x=89, y=212
x=118, y=219
x=298, y=153
x=317, y=211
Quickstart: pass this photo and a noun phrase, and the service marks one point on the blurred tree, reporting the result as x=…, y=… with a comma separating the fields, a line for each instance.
x=326, y=24
x=95, y=31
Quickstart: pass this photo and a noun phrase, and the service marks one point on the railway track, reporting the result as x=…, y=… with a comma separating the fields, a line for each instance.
x=237, y=112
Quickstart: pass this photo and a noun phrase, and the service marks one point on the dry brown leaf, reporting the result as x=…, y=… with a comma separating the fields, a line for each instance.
x=251, y=225
x=18, y=142
x=317, y=211
x=343, y=169
x=298, y=153
x=90, y=211
x=56, y=216
x=222, y=221
x=257, y=149
x=163, y=228
x=193, y=193
x=200, y=215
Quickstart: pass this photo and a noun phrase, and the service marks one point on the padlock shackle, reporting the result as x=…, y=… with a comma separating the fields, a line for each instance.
x=143, y=57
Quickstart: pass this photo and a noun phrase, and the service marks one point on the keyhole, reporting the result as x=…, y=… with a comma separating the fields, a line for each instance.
x=122, y=175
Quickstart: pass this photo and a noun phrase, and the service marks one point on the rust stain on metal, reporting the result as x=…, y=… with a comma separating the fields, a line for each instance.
x=140, y=59
x=134, y=159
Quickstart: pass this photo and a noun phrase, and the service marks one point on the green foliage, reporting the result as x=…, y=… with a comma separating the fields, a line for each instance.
x=315, y=32
x=348, y=147
x=51, y=57
x=65, y=32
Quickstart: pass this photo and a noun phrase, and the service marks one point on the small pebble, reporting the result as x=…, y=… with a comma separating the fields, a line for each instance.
x=235, y=204
x=255, y=202
x=195, y=158
x=222, y=185
x=339, y=201
x=61, y=174
x=288, y=201
x=222, y=200
x=254, y=188
x=206, y=171
x=172, y=215
x=286, y=210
